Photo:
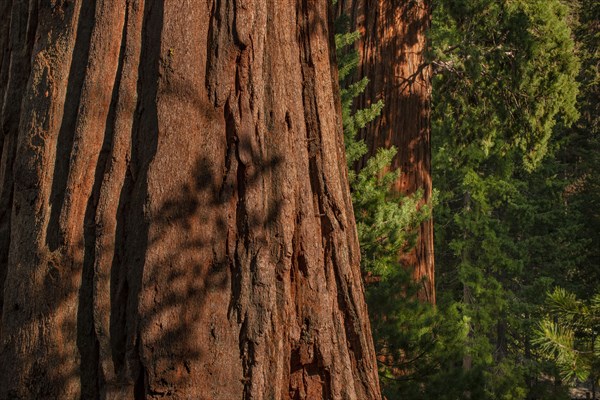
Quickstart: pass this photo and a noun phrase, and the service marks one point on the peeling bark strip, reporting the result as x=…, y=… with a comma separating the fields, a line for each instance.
x=392, y=55
x=175, y=218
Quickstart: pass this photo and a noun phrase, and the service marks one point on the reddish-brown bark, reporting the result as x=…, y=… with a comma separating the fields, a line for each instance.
x=392, y=55
x=175, y=215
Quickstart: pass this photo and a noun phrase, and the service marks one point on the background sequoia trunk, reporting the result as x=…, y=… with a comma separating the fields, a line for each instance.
x=392, y=55
x=175, y=215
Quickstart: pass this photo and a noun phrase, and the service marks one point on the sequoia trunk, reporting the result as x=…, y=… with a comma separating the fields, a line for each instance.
x=175, y=217
x=392, y=55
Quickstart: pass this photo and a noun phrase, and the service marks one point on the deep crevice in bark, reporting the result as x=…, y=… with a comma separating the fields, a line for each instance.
x=247, y=357
x=140, y=388
x=123, y=305
x=118, y=280
x=234, y=187
x=136, y=224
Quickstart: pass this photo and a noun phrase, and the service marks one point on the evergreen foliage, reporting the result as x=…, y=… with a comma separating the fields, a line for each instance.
x=386, y=221
x=569, y=334
x=506, y=72
x=511, y=220
x=407, y=333
x=516, y=150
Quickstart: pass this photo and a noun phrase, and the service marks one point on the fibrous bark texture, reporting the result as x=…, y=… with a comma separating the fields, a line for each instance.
x=392, y=55
x=175, y=218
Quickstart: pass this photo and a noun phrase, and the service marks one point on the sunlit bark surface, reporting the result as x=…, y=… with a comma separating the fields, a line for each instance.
x=175, y=219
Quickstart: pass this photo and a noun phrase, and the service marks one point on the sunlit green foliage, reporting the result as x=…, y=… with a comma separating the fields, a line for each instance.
x=506, y=72
x=386, y=221
x=409, y=335
x=569, y=335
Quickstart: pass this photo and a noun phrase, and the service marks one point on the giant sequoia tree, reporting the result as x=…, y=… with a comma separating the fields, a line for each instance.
x=175, y=218
x=392, y=52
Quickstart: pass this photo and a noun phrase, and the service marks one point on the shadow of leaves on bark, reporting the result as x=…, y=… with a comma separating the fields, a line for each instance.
x=187, y=261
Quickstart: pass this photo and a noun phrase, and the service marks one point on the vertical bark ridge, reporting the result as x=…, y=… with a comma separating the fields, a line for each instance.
x=90, y=140
x=38, y=286
x=144, y=145
x=71, y=106
x=348, y=284
x=306, y=356
x=101, y=85
x=111, y=290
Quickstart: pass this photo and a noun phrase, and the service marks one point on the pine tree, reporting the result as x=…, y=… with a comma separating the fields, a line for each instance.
x=570, y=335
